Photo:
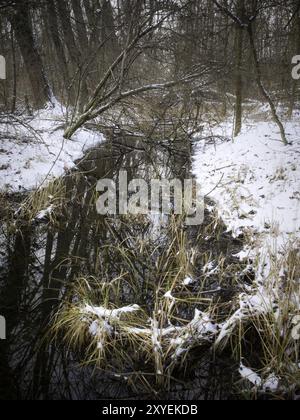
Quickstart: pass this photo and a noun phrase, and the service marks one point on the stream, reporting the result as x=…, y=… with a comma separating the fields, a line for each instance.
x=41, y=258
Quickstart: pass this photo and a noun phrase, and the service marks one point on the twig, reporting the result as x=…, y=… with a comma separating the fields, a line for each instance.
x=206, y=195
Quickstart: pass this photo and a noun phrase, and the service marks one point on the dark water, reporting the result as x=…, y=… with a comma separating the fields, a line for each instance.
x=40, y=261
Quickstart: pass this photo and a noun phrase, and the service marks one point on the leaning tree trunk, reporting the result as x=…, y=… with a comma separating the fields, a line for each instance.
x=261, y=87
x=20, y=21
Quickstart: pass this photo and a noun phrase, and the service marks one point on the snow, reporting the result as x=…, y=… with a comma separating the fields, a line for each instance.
x=168, y=295
x=209, y=269
x=179, y=339
x=110, y=314
x=253, y=303
x=95, y=328
x=271, y=384
x=188, y=281
x=250, y=375
x=156, y=336
x=33, y=150
x=101, y=327
x=200, y=329
x=254, y=180
x=203, y=325
x=44, y=213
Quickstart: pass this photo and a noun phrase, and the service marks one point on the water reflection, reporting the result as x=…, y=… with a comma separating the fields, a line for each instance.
x=40, y=259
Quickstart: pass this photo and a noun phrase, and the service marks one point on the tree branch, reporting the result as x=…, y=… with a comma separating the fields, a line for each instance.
x=89, y=115
x=229, y=13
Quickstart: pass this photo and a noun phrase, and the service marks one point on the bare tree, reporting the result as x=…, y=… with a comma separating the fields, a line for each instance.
x=247, y=22
x=111, y=88
x=80, y=27
x=50, y=16
x=21, y=23
x=74, y=52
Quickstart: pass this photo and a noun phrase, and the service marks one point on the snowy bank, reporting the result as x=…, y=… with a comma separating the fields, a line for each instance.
x=254, y=180
x=33, y=150
x=255, y=183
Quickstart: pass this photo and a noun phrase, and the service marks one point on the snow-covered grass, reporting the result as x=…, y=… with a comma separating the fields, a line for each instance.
x=33, y=150
x=155, y=334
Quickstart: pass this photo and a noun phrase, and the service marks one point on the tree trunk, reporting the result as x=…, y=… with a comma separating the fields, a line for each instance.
x=14, y=89
x=261, y=87
x=92, y=22
x=80, y=27
x=21, y=24
x=74, y=52
x=51, y=17
x=110, y=49
x=238, y=82
x=238, y=69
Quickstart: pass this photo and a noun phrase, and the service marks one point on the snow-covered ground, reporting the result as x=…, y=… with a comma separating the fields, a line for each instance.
x=255, y=183
x=33, y=150
x=255, y=180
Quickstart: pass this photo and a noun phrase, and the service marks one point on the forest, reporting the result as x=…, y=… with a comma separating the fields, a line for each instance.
x=121, y=121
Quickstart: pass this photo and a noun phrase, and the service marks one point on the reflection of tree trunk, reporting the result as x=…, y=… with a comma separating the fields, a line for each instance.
x=261, y=87
x=47, y=266
x=41, y=374
x=8, y=384
x=18, y=275
x=10, y=308
x=81, y=243
x=54, y=280
x=21, y=24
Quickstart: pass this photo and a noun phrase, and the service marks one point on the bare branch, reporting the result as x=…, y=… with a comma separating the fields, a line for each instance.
x=88, y=116
x=229, y=13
